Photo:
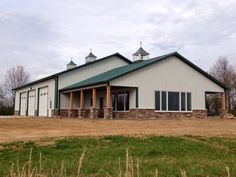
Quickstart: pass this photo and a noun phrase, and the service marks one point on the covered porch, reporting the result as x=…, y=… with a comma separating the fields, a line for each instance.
x=215, y=103
x=100, y=101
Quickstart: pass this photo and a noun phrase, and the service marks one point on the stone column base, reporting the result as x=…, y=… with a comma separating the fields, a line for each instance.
x=94, y=113
x=55, y=112
x=108, y=113
x=82, y=113
x=72, y=113
x=223, y=113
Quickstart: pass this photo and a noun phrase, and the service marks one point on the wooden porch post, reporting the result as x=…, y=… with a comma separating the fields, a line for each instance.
x=94, y=105
x=81, y=99
x=107, y=110
x=223, y=101
x=108, y=96
x=71, y=100
x=223, y=105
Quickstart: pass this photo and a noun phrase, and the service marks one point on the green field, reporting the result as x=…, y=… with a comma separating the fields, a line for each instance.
x=122, y=156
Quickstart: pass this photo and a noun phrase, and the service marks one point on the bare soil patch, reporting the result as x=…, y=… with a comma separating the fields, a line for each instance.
x=17, y=129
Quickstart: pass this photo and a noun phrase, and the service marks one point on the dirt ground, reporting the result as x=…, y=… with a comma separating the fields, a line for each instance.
x=17, y=129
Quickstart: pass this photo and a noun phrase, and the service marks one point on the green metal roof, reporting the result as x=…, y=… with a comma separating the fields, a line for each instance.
x=106, y=77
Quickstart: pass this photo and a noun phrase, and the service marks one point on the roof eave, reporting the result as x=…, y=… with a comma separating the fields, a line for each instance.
x=84, y=86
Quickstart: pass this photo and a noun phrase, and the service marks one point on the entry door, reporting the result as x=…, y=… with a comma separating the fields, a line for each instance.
x=101, y=105
x=43, y=101
x=31, y=103
x=23, y=101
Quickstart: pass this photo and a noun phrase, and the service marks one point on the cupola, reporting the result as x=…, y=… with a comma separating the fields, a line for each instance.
x=140, y=54
x=90, y=58
x=71, y=64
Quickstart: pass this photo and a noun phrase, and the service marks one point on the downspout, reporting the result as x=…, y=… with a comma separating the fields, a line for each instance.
x=56, y=103
x=137, y=99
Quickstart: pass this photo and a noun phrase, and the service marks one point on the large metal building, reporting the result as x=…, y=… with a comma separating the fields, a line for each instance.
x=167, y=86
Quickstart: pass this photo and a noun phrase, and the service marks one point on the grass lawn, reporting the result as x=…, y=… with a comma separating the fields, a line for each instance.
x=165, y=156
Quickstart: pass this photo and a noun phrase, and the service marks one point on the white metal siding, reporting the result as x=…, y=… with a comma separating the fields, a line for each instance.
x=168, y=75
x=51, y=93
x=86, y=72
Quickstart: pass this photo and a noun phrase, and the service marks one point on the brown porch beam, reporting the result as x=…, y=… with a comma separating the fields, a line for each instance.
x=81, y=99
x=71, y=100
x=108, y=96
x=94, y=95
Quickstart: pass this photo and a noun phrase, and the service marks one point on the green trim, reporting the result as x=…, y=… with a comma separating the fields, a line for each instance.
x=137, y=98
x=59, y=100
x=38, y=103
x=27, y=107
x=20, y=104
x=56, y=93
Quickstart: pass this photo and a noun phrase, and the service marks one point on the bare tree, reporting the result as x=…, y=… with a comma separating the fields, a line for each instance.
x=225, y=73
x=15, y=77
x=1, y=97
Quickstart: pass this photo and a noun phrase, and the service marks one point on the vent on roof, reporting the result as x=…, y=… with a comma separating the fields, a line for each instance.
x=90, y=58
x=140, y=54
x=71, y=64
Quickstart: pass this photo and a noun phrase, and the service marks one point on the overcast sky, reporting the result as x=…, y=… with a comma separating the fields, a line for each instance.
x=42, y=35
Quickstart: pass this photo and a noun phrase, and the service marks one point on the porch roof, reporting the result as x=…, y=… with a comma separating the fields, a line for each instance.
x=110, y=75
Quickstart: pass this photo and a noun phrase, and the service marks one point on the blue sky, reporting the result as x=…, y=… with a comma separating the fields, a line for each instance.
x=43, y=35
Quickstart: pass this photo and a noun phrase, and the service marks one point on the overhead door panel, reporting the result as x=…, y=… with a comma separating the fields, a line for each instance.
x=43, y=101
x=31, y=103
x=23, y=104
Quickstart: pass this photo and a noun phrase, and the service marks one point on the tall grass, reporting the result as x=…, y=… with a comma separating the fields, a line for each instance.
x=132, y=168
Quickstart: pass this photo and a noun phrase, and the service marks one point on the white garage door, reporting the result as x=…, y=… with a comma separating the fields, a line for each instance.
x=23, y=104
x=43, y=101
x=31, y=103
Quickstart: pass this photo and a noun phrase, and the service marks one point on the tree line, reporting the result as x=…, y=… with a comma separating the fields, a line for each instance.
x=17, y=76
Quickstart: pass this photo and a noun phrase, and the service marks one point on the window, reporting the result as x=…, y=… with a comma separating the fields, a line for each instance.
x=120, y=101
x=173, y=101
x=113, y=98
x=157, y=100
x=183, y=105
x=189, y=100
x=163, y=101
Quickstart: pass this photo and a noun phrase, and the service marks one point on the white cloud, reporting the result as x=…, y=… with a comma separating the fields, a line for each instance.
x=43, y=35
